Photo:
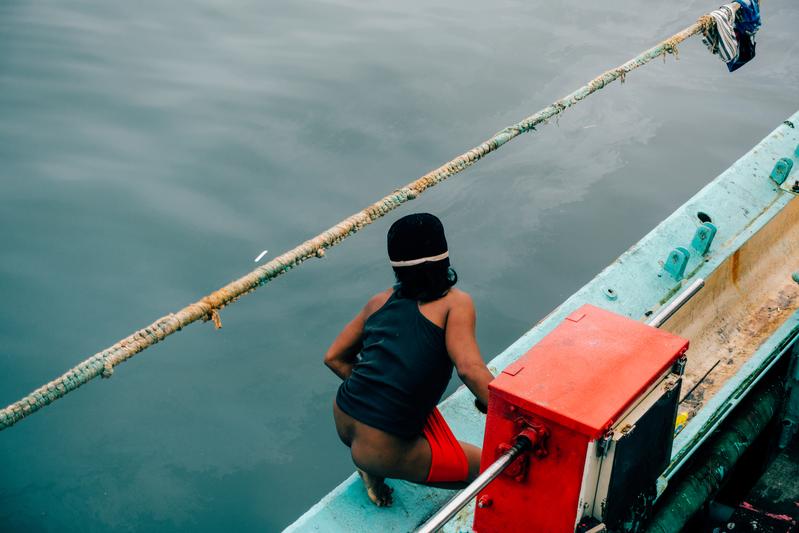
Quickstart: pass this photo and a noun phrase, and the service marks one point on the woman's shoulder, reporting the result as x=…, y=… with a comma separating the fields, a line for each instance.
x=376, y=302
x=458, y=297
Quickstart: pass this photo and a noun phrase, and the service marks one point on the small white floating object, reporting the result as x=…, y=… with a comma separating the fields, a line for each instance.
x=261, y=255
x=589, y=126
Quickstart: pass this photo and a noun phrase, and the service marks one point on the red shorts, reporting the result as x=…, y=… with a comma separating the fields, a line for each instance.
x=449, y=461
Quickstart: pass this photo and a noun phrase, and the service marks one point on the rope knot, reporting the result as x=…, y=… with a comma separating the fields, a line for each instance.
x=670, y=47
x=216, y=319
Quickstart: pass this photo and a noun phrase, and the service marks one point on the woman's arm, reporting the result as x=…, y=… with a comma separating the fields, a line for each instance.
x=462, y=347
x=343, y=353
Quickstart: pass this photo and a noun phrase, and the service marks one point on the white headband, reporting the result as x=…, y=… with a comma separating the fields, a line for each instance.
x=414, y=262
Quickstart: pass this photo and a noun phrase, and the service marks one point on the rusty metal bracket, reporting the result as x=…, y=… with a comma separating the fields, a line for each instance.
x=676, y=262
x=703, y=238
x=537, y=435
x=781, y=170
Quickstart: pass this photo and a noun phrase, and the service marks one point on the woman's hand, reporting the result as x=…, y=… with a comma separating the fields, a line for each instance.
x=480, y=406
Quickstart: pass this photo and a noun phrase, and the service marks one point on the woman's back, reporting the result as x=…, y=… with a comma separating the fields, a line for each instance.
x=403, y=370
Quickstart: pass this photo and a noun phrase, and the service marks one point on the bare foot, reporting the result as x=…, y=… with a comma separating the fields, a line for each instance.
x=377, y=490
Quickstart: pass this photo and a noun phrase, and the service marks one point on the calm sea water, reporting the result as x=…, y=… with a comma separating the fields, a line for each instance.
x=150, y=150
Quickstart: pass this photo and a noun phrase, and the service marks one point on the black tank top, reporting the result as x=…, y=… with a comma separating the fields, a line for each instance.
x=402, y=373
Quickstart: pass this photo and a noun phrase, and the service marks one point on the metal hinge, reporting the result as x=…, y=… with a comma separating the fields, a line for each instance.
x=603, y=444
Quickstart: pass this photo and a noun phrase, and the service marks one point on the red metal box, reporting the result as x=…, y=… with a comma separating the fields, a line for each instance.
x=597, y=379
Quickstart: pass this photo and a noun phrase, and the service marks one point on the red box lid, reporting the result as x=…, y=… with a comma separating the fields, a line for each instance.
x=589, y=369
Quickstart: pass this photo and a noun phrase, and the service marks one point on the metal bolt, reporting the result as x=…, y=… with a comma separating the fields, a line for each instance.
x=484, y=501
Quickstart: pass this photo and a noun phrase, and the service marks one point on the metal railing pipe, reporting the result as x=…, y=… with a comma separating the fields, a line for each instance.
x=460, y=500
x=675, y=305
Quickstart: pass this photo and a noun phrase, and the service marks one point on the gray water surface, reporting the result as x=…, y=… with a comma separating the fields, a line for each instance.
x=150, y=150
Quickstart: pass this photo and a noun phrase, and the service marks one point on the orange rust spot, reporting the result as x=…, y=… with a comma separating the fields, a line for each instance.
x=735, y=262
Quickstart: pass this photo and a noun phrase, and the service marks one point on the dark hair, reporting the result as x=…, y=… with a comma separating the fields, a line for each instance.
x=425, y=282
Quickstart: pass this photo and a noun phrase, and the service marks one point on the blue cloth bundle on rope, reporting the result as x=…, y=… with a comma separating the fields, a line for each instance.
x=732, y=36
x=748, y=17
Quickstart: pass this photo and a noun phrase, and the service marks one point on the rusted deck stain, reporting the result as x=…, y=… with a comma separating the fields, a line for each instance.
x=736, y=341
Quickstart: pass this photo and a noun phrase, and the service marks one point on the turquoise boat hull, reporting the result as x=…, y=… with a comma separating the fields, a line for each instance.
x=740, y=202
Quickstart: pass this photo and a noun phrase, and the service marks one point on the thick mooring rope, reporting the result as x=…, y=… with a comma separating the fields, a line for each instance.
x=103, y=363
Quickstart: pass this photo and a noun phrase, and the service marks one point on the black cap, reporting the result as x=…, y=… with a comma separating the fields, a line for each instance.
x=416, y=236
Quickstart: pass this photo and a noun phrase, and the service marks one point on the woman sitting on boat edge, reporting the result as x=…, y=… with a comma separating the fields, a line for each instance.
x=396, y=359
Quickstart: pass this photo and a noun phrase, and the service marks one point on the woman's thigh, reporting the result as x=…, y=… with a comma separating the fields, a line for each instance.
x=384, y=455
x=345, y=424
